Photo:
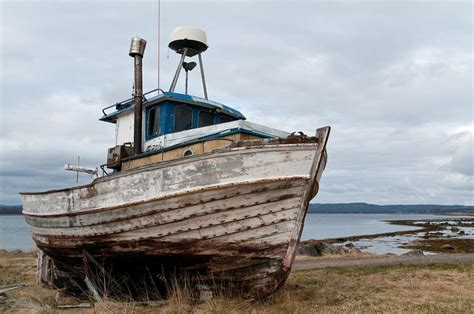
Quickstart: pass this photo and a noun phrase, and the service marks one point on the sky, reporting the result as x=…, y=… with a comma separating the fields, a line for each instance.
x=394, y=80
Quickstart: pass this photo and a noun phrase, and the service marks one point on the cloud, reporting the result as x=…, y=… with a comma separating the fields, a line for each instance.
x=462, y=160
x=393, y=79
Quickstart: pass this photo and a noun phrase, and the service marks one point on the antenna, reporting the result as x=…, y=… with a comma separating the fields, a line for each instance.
x=159, y=31
x=78, y=165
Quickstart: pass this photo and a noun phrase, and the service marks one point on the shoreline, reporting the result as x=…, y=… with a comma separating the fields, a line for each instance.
x=431, y=236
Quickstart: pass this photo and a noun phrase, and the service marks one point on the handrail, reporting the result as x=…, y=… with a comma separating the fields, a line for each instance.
x=129, y=99
x=104, y=173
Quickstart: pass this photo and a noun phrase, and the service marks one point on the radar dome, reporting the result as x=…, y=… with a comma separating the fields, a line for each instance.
x=192, y=38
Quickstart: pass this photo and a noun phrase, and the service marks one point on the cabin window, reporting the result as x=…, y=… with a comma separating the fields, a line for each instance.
x=188, y=152
x=205, y=118
x=225, y=119
x=153, y=123
x=183, y=118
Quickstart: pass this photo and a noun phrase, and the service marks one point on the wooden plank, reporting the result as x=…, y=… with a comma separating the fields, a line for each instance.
x=192, y=198
x=74, y=306
x=236, y=166
x=92, y=290
x=206, y=146
x=243, y=205
x=7, y=288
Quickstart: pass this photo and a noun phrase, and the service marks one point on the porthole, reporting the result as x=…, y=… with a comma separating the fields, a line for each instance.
x=188, y=152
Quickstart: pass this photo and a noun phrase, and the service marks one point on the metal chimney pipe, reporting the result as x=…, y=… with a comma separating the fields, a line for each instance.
x=137, y=49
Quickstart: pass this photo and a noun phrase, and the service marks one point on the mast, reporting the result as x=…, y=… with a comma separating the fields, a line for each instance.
x=158, y=53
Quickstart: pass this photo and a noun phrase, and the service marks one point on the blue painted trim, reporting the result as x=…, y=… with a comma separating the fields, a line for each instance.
x=162, y=120
x=192, y=100
x=195, y=117
x=225, y=116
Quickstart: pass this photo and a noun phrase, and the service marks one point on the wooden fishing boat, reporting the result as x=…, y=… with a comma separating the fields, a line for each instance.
x=205, y=193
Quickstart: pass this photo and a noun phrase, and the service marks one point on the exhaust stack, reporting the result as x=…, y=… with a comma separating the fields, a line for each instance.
x=137, y=49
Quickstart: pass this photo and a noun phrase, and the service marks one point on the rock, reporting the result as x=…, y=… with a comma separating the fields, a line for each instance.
x=330, y=249
x=455, y=229
x=341, y=250
x=205, y=294
x=307, y=249
x=461, y=232
x=447, y=247
x=316, y=248
x=350, y=245
x=414, y=253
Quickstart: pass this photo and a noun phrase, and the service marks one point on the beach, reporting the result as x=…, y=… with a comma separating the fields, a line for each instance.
x=442, y=287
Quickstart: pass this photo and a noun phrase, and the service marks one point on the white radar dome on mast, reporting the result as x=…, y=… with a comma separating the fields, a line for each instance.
x=188, y=41
x=191, y=39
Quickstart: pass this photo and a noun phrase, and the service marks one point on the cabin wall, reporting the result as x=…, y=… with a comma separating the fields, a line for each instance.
x=188, y=135
x=124, y=128
x=197, y=148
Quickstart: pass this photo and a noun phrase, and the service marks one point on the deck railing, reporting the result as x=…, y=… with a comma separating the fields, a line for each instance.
x=118, y=104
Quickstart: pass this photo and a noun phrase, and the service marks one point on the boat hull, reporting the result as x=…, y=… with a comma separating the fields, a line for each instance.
x=233, y=217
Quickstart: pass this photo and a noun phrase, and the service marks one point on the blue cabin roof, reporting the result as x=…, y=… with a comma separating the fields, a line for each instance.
x=176, y=97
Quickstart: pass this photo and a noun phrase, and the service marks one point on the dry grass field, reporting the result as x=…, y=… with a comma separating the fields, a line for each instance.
x=428, y=289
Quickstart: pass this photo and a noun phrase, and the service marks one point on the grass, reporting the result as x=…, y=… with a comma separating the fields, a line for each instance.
x=444, y=245
x=413, y=288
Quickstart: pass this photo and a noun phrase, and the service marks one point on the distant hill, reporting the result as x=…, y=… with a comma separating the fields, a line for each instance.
x=353, y=208
x=339, y=208
x=10, y=210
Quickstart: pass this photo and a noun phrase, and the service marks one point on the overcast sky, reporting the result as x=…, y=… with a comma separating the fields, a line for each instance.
x=393, y=79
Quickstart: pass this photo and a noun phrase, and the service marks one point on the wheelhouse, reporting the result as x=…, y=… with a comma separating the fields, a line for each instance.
x=171, y=125
x=174, y=126
x=172, y=116
x=168, y=113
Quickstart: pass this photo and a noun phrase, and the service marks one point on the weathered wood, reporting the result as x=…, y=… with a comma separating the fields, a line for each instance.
x=233, y=216
x=185, y=175
x=43, y=268
x=74, y=306
x=7, y=288
x=206, y=146
x=92, y=290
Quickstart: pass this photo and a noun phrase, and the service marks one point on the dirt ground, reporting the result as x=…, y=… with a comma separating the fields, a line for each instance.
x=443, y=287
